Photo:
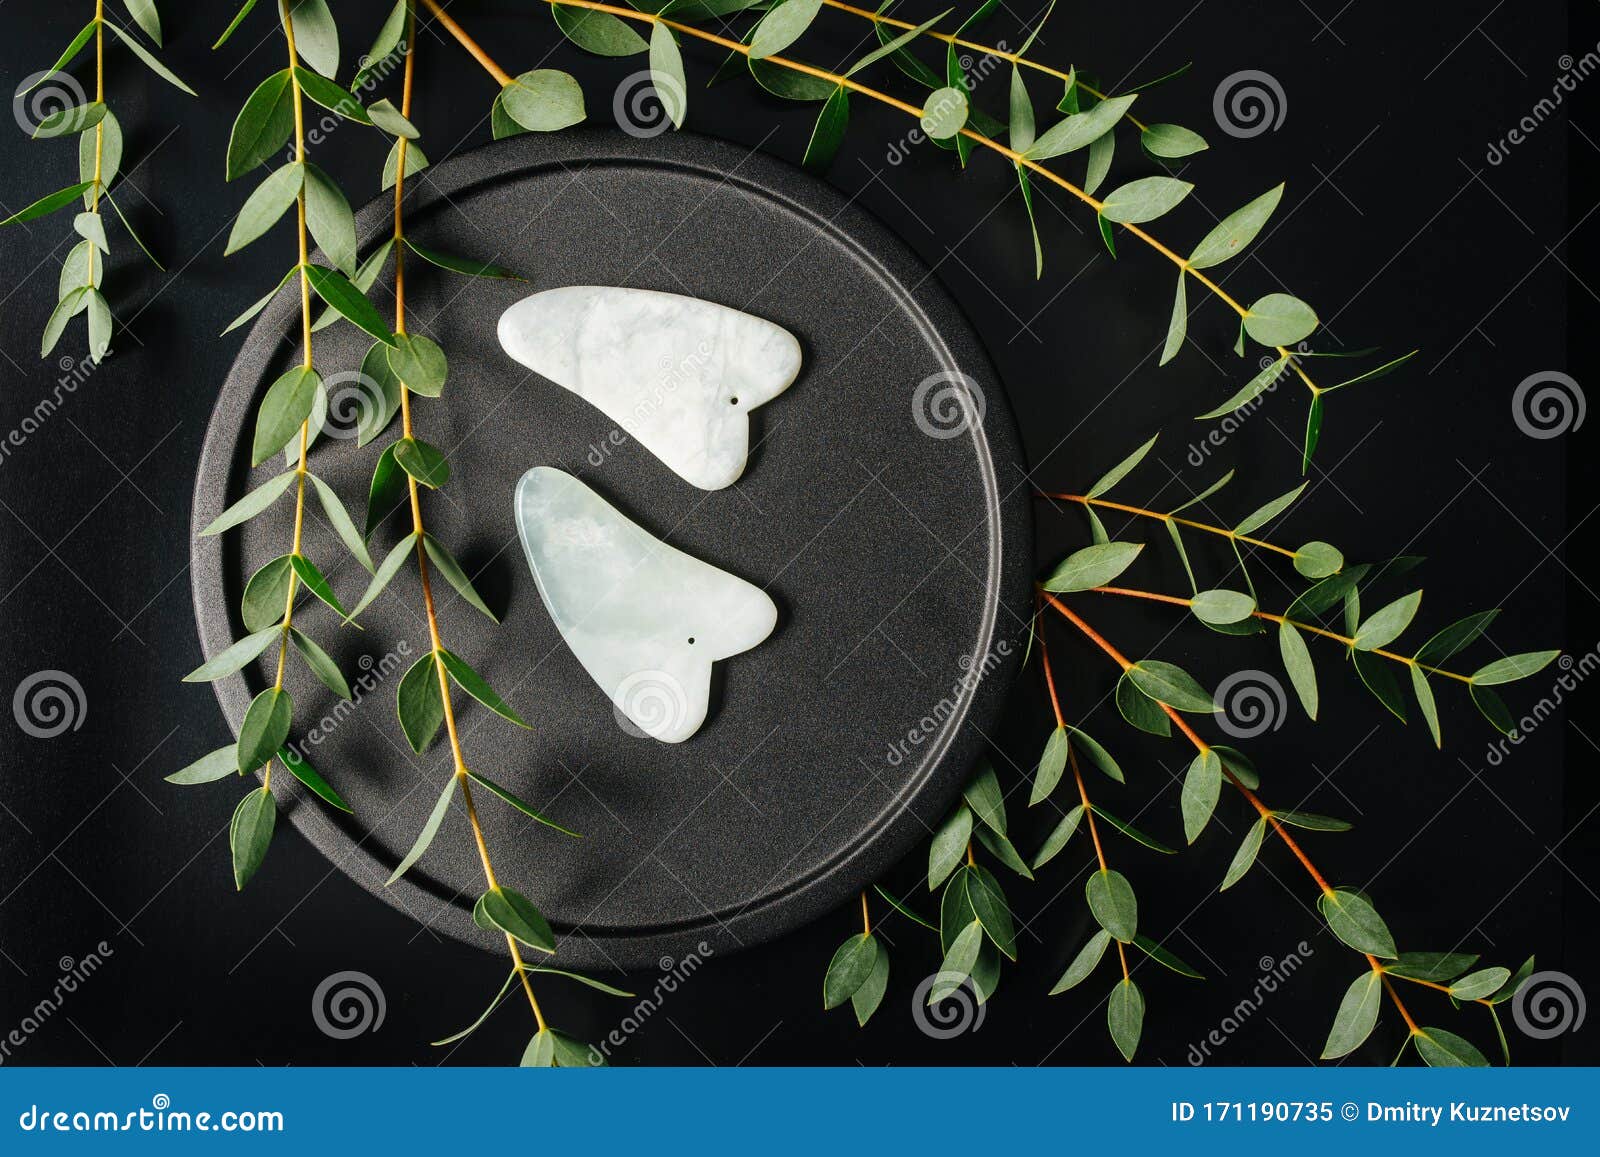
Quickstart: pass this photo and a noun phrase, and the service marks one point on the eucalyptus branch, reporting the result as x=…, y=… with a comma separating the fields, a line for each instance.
x=416, y=367
x=99, y=161
x=1348, y=912
x=1278, y=321
x=290, y=415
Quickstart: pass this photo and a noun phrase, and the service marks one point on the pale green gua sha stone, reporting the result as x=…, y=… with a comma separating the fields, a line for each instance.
x=678, y=374
x=644, y=619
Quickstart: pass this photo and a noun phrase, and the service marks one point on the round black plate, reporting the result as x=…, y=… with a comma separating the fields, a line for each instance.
x=883, y=509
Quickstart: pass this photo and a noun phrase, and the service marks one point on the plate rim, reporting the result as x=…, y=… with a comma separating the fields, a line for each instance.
x=1010, y=517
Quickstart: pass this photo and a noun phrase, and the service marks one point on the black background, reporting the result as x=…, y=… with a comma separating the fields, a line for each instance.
x=1395, y=225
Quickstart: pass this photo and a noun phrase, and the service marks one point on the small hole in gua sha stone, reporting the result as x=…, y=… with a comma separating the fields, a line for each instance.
x=733, y=401
x=691, y=640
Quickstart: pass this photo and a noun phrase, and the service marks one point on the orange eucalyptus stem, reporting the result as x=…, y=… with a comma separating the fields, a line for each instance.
x=1207, y=527
x=1255, y=801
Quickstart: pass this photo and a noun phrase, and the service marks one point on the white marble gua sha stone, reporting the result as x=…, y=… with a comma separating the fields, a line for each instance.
x=644, y=619
x=677, y=373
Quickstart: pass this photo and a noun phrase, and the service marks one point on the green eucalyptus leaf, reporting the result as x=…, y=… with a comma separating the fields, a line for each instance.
x=828, y=131
x=1235, y=231
x=266, y=595
x=338, y=291
x=422, y=461
x=782, y=26
x=1439, y=967
x=1093, y=566
x=390, y=567
x=866, y=999
x=1253, y=389
x=1120, y=471
x=1425, y=702
x=949, y=845
x=1443, y=1049
x=48, y=204
x=1222, y=606
x=1384, y=626
x=1318, y=560
x=1279, y=320
x=984, y=797
x=1080, y=129
x=316, y=36
x=1245, y=857
x=334, y=97
x=1171, y=142
x=264, y=729
x=1083, y=963
x=429, y=830
x=219, y=764
x=70, y=121
x=514, y=914
x=667, y=76
x=989, y=904
x=1172, y=685
x=1513, y=667
x=1125, y=1016
x=1297, y=662
x=250, y=834
x=1202, y=786
x=283, y=411
x=1354, y=921
x=1139, y=709
x=251, y=504
x=1165, y=957
x=1058, y=837
x=851, y=967
x=1454, y=638
x=598, y=32
x=235, y=657
x=520, y=804
x=475, y=685
x=420, y=703
x=1358, y=1013
x=385, y=116
x=321, y=664
x=1144, y=199
x=415, y=160
x=1112, y=901
x=1482, y=983
x=419, y=363
x=330, y=220
x=309, y=776
x=1051, y=766
x=446, y=564
x=542, y=101
x=262, y=209
x=1178, y=327
x=460, y=265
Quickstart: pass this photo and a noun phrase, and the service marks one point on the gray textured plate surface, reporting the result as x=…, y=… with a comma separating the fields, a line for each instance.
x=882, y=509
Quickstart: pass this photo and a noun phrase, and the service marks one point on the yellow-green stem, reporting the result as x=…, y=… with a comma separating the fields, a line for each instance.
x=457, y=756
